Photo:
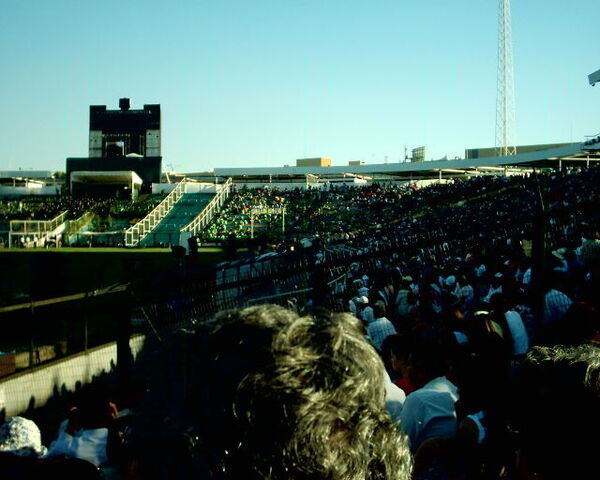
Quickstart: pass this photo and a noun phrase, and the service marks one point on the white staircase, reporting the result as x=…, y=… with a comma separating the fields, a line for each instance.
x=208, y=212
x=136, y=233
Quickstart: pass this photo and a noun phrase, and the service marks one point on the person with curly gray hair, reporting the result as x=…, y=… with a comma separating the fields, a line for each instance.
x=300, y=397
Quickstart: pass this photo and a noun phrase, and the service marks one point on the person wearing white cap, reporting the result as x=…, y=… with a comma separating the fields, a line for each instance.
x=363, y=311
x=21, y=436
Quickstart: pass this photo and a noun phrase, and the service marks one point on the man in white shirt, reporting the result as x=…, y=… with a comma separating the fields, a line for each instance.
x=518, y=332
x=429, y=411
x=394, y=397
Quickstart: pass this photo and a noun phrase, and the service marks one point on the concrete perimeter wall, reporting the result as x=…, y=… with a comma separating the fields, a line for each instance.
x=41, y=383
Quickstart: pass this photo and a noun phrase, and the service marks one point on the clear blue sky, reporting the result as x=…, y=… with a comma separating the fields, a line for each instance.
x=261, y=83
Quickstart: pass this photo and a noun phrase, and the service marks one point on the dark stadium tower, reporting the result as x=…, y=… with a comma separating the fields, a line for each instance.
x=133, y=131
x=123, y=140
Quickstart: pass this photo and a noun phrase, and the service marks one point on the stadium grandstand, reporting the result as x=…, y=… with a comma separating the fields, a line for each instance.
x=469, y=279
x=318, y=319
x=260, y=322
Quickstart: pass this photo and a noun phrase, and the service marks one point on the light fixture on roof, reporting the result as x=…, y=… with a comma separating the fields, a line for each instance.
x=594, y=78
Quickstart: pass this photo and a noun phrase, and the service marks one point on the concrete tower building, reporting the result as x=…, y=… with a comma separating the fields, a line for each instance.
x=124, y=152
x=124, y=131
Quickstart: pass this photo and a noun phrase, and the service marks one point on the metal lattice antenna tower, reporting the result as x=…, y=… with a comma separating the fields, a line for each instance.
x=505, y=99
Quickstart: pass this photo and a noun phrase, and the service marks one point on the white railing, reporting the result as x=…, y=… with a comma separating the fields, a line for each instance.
x=206, y=215
x=34, y=232
x=135, y=234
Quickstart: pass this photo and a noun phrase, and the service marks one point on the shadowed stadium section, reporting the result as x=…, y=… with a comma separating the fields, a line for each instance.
x=117, y=183
x=43, y=273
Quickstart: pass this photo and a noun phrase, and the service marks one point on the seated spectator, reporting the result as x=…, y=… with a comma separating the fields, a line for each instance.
x=464, y=291
x=84, y=434
x=495, y=287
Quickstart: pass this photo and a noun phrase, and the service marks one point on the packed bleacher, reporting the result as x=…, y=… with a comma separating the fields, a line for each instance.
x=106, y=215
x=460, y=343
x=46, y=208
x=353, y=213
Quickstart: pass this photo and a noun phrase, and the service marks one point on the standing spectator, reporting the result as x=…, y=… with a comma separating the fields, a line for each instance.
x=556, y=305
x=380, y=328
x=429, y=411
x=519, y=338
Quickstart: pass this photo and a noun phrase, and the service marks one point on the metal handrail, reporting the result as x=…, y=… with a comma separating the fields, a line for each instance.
x=208, y=212
x=41, y=228
x=41, y=225
x=136, y=233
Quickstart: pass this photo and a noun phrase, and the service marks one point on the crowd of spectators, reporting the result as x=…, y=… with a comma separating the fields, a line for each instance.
x=110, y=215
x=465, y=329
x=465, y=351
x=353, y=213
x=47, y=208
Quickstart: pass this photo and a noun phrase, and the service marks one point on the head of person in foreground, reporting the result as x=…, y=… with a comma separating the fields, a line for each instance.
x=297, y=397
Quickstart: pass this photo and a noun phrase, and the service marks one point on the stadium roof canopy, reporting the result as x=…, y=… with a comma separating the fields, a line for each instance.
x=26, y=174
x=578, y=153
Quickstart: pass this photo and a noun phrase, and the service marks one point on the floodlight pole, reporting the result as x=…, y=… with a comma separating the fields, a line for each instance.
x=505, y=100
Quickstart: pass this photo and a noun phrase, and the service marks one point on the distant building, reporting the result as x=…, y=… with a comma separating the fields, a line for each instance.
x=418, y=154
x=314, y=162
x=123, y=140
x=491, y=151
x=356, y=162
